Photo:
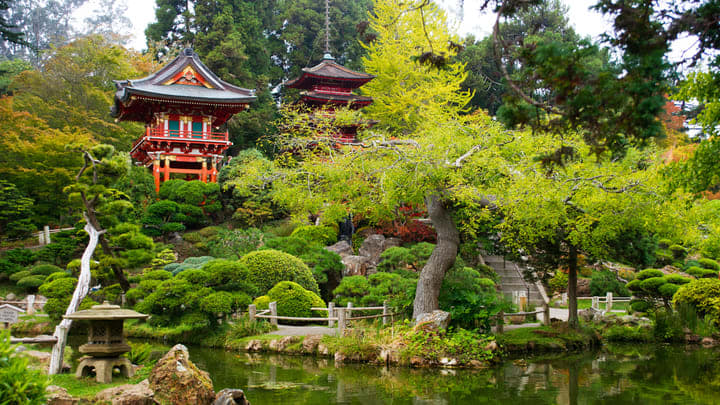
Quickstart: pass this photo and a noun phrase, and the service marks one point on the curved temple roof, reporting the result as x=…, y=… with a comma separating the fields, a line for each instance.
x=185, y=80
x=328, y=69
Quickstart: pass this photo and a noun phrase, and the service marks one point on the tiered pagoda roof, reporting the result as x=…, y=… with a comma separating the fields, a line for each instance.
x=185, y=83
x=331, y=83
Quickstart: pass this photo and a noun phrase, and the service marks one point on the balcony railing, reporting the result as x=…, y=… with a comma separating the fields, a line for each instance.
x=199, y=135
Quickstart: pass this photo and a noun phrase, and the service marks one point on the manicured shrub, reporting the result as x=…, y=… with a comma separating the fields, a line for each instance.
x=229, y=275
x=663, y=257
x=701, y=273
x=218, y=302
x=8, y=267
x=677, y=279
x=137, y=258
x=19, y=383
x=603, y=282
x=20, y=256
x=649, y=273
x=351, y=289
x=703, y=295
x=640, y=306
x=678, y=251
x=412, y=258
x=263, y=302
x=665, y=243
x=57, y=276
x=19, y=275
x=294, y=300
x=470, y=299
x=195, y=276
x=709, y=264
x=667, y=290
x=157, y=275
x=45, y=270
x=189, y=263
x=59, y=288
x=31, y=283
x=651, y=284
x=269, y=267
x=234, y=243
x=323, y=235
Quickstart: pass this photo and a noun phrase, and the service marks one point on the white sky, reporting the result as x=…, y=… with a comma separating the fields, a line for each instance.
x=585, y=21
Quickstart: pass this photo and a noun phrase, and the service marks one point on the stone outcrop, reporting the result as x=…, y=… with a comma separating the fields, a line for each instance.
x=175, y=380
x=356, y=266
x=59, y=396
x=372, y=248
x=436, y=319
x=230, y=396
x=342, y=248
x=129, y=394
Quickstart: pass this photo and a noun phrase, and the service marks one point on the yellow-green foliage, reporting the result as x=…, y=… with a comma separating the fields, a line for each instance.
x=703, y=295
x=293, y=300
x=269, y=267
x=324, y=235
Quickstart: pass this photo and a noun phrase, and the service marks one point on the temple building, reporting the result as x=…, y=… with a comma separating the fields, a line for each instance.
x=183, y=106
x=329, y=85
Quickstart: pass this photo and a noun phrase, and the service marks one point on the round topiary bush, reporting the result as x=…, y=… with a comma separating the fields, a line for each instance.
x=59, y=288
x=649, y=273
x=157, y=275
x=640, y=306
x=57, y=276
x=195, y=276
x=31, y=283
x=262, y=302
x=269, y=267
x=703, y=294
x=19, y=275
x=709, y=264
x=652, y=284
x=677, y=279
x=45, y=270
x=293, y=300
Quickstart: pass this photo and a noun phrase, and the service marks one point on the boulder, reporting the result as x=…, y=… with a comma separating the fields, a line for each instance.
x=437, y=319
x=11, y=297
x=279, y=345
x=342, y=248
x=310, y=344
x=44, y=358
x=588, y=315
x=355, y=265
x=372, y=247
x=339, y=358
x=59, y=396
x=176, y=380
x=708, y=341
x=128, y=394
x=230, y=396
x=583, y=287
x=254, y=345
x=391, y=242
x=323, y=349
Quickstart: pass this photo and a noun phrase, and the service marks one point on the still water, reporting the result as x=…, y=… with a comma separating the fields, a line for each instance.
x=647, y=374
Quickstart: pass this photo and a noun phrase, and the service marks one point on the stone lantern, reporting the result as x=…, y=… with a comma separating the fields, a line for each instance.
x=105, y=341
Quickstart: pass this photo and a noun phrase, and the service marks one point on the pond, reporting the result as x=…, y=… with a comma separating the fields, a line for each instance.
x=647, y=374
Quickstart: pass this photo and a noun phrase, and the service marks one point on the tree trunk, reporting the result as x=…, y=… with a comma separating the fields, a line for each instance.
x=441, y=259
x=572, y=288
x=83, y=285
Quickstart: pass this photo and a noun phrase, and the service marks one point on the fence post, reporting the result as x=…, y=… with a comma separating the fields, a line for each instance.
x=500, y=322
x=563, y=298
x=30, y=304
x=341, y=320
x=595, y=303
x=546, y=314
x=273, y=313
x=609, y=302
x=385, y=312
x=123, y=300
x=252, y=310
x=41, y=238
x=46, y=230
x=349, y=311
x=331, y=313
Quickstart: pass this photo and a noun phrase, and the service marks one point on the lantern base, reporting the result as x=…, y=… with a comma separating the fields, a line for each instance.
x=104, y=367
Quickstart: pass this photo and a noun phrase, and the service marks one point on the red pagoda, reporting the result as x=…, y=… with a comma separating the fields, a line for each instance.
x=182, y=105
x=329, y=85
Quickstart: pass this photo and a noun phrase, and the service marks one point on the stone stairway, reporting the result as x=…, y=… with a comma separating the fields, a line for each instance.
x=511, y=280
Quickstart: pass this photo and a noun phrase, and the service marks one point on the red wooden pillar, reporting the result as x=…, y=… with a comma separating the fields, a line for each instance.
x=203, y=171
x=167, y=169
x=156, y=174
x=213, y=172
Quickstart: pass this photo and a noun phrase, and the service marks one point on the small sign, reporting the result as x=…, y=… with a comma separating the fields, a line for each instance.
x=9, y=313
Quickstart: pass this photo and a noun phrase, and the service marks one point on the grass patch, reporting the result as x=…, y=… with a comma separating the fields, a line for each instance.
x=87, y=388
x=7, y=287
x=546, y=338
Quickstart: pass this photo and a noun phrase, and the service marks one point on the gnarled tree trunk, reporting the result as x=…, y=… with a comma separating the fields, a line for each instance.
x=572, y=287
x=81, y=290
x=441, y=259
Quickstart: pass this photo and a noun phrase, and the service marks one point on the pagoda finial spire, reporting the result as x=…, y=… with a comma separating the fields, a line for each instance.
x=327, y=27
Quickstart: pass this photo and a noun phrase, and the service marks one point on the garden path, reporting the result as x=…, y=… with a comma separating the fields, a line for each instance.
x=284, y=330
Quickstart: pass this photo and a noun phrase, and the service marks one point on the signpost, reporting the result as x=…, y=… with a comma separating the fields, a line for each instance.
x=9, y=314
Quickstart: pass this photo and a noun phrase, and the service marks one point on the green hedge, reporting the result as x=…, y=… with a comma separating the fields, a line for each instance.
x=323, y=235
x=269, y=267
x=294, y=300
x=703, y=295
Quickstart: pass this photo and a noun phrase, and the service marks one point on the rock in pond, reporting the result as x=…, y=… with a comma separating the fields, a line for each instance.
x=437, y=319
x=230, y=396
x=176, y=380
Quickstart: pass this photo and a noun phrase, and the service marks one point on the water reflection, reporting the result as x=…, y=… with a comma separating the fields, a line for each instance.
x=615, y=375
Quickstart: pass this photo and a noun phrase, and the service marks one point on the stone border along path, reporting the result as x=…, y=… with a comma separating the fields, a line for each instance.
x=284, y=330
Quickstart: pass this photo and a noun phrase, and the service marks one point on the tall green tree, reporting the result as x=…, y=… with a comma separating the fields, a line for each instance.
x=15, y=211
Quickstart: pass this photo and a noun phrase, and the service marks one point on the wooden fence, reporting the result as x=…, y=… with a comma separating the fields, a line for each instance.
x=608, y=300
x=500, y=317
x=341, y=315
x=30, y=304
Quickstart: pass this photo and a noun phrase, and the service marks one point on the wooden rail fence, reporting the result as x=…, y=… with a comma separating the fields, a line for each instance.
x=341, y=315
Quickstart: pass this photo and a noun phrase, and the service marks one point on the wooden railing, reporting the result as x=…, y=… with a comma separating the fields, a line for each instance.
x=204, y=135
x=341, y=315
